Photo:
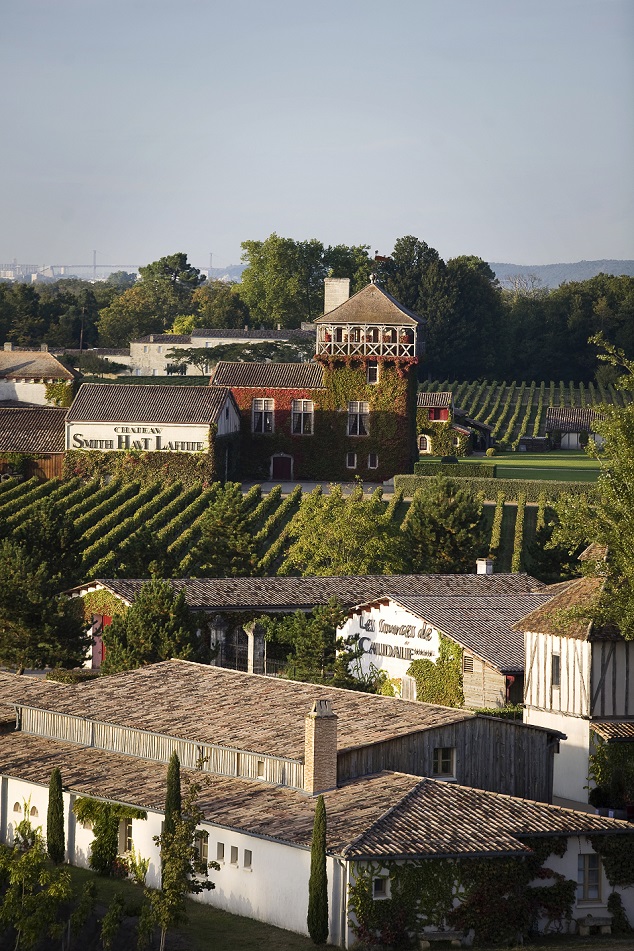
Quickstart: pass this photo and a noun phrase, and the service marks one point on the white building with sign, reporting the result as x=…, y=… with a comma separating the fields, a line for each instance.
x=394, y=632
x=119, y=416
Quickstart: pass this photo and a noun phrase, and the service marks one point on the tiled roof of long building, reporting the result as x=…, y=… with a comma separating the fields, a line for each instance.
x=32, y=428
x=32, y=365
x=434, y=399
x=296, y=376
x=147, y=403
x=385, y=814
x=569, y=419
x=290, y=593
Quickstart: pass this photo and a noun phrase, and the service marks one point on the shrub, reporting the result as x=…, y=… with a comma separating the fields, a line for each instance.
x=491, y=451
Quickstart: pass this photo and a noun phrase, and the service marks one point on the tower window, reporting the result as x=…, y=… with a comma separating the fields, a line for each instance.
x=372, y=375
x=556, y=670
x=303, y=414
x=358, y=418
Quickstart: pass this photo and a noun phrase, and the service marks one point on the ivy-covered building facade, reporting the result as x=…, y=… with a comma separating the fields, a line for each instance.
x=351, y=412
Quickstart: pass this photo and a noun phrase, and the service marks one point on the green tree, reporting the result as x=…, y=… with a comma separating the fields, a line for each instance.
x=173, y=270
x=173, y=799
x=338, y=535
x=317, y=919
x=105, y=818
x=218, y=304
x=225, y=548
x=34, y=892
x=283, y=280
x=143, y=309
x=55, y=839
x=158, y=626
x=183, y=872
x=352, y=262
x=121, y=279
x=311, y=638
x=38, y=626
x=142, y=555
x=49, y=537
x=607, y=517
x=443, y=531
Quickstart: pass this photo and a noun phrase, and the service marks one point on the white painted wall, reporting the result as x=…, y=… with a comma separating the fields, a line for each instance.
x=24, y=392
x=571, y=764
x=392, y=638
x=150, y=359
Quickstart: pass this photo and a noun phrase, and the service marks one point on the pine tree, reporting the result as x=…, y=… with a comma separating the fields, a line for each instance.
x=318, y=883
x=158, y=626
x=55, y=841
x=226, y=548
x=172, y=795
x=443, y=530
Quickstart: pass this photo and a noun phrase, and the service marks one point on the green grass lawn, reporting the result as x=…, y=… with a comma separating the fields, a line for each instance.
x=567, y=466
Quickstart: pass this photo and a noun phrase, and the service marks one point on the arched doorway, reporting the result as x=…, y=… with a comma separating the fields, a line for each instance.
x=281, y=467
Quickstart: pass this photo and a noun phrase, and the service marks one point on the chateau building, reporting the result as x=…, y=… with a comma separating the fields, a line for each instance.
x=28, y=376
x=349, y=413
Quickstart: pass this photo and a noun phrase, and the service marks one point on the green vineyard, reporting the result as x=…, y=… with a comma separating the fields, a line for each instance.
x=515, y=409
x=108, y=520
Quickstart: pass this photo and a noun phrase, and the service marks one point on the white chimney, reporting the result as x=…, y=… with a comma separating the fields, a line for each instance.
x=336, y=292
x=484, y=566
x=8, y=346
x=44, y=347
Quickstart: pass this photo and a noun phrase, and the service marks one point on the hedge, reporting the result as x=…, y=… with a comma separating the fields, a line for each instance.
x=461, y=470
x=512, y=488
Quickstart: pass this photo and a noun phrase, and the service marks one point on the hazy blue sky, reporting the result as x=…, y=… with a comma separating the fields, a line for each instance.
x=503, y=128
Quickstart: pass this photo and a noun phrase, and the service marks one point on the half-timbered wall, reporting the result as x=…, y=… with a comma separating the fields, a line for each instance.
x=612, y=679
x=490, y=753
x=222, y=760
x=572, y=696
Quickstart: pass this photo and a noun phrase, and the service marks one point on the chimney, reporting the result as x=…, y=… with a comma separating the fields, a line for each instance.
x=336, y=292
x=320, y=749
x=44, y=347
x=484, y=566
x=151, y=338
x=8, y=346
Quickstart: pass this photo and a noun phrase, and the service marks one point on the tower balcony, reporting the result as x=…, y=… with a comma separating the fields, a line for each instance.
x=366, y=340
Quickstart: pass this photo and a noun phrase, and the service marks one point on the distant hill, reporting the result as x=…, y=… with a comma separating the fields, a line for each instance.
x=552, y=275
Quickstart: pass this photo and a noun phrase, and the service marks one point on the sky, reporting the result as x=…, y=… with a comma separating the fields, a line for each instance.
x=137, y=128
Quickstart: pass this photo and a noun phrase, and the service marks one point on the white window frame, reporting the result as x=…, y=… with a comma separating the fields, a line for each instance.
x=303, y=414
x=372, y=370
x=358, y=418
x=444, y=756
x=201, y=844
x=380, y=887
x=372, y=455
x=220, y=853
x=584, y=884
x=234, y=855
x=264, y=408
x=247, y=862
x=349, y=456
x=125, y=835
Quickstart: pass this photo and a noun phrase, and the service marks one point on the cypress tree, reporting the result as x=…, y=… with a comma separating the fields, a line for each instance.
x=55, y=841
x=318, y=883
x=172, y=795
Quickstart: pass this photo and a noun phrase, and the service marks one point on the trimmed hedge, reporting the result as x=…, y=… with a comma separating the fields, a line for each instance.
x=461, y=470
x=512, y=488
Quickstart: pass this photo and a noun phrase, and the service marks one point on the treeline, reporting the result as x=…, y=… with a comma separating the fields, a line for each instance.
x=474, y=327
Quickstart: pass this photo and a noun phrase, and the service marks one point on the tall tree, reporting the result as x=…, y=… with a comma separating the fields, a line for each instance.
x=225, y=548
x=158, y=626
x=311, y=639
x=218, y=304
x=143, y=309
x=174, y=270
x=338, y=535
x=48, y=536
x=55, y=839
x=317, y=918
x=443, y=531
x=283, y=280
x=173, y=799
x=38, y=626
x=607, y=517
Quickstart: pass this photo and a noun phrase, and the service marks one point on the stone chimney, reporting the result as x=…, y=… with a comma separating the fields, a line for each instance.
x=320, y=749
x=8, y=346
x=484, y=566
x=336, y=292
x=44, y=347
x=151, y=338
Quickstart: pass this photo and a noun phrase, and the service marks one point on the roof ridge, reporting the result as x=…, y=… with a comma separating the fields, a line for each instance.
x=384, y=816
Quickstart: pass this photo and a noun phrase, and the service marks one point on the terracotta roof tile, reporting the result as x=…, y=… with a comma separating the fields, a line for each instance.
x=387, y=814
x=552, y=617
x=297, y=376
x=244, y=711
x=146, y=403
x=32, y=365
x=571, y=419
x=32, y=428
x=290, y=593
x=434, y=399
x=371, y=305
x=614, y=731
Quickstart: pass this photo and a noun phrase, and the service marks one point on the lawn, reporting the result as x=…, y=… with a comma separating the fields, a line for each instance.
x=568, y=466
